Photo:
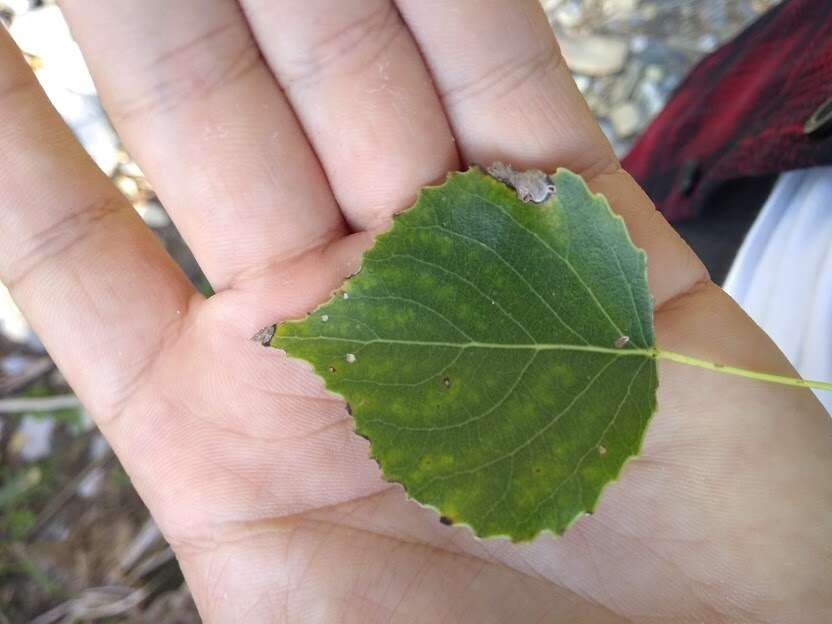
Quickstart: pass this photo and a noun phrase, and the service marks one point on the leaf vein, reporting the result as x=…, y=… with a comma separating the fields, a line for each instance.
x=632, y=297
x=511, y=267
x=424, y=306
x=401, y=384
x=582, y=459
x=487, y=297
x=478, y=417
x=555, y=253
x=532, y=438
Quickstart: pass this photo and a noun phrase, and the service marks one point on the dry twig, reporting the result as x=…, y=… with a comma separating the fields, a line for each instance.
x=21, y=405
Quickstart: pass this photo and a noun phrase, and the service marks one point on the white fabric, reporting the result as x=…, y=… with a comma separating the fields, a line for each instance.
x=782, y=275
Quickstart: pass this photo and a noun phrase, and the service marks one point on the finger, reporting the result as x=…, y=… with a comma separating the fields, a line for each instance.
x=200, y=111
x=358, y=84
x=90, y=277
x=509, y=96
x=504, y=83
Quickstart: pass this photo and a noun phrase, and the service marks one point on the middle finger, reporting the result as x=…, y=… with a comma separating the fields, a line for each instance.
x=356, y=80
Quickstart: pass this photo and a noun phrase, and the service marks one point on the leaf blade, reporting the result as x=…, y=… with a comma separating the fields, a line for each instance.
x=473, y=344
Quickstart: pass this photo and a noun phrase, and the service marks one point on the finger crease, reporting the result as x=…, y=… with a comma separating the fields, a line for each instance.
x=505, y=78
x=379, y=29
x=54, y=241
x=197, y=70
x=120, y=395
x=241, y=279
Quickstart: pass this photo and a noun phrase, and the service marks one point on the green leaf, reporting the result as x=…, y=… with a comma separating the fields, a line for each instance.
x=481, y=351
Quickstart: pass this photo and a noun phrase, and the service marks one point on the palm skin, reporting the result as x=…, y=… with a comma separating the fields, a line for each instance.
x=251, y=469
x=276, y=513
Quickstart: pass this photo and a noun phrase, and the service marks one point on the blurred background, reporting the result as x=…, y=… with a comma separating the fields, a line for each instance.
x=76, y=543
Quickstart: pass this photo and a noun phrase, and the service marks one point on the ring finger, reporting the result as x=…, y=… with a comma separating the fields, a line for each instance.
x=509, y=96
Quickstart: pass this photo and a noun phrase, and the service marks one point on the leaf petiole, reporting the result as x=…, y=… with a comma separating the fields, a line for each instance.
x=742, y=372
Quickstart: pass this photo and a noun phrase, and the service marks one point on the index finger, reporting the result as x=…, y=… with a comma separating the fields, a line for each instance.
x=97, y=286
x=509, y=96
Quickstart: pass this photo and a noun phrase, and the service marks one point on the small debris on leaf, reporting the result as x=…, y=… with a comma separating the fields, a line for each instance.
x=621, y=342
x=265, y=335
x=350, y=358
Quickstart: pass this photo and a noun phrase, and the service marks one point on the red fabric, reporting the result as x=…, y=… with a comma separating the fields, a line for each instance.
x=740, y=112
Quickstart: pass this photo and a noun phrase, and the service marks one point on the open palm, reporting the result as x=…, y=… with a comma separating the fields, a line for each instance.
x=280, y=135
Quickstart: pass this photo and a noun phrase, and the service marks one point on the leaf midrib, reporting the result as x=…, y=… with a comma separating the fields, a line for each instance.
x=649, y=352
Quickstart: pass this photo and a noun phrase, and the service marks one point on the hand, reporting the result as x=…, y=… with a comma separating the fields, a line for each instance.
x=278, y=134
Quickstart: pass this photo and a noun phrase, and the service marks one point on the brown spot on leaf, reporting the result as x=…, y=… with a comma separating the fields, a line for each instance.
x=446, y=382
